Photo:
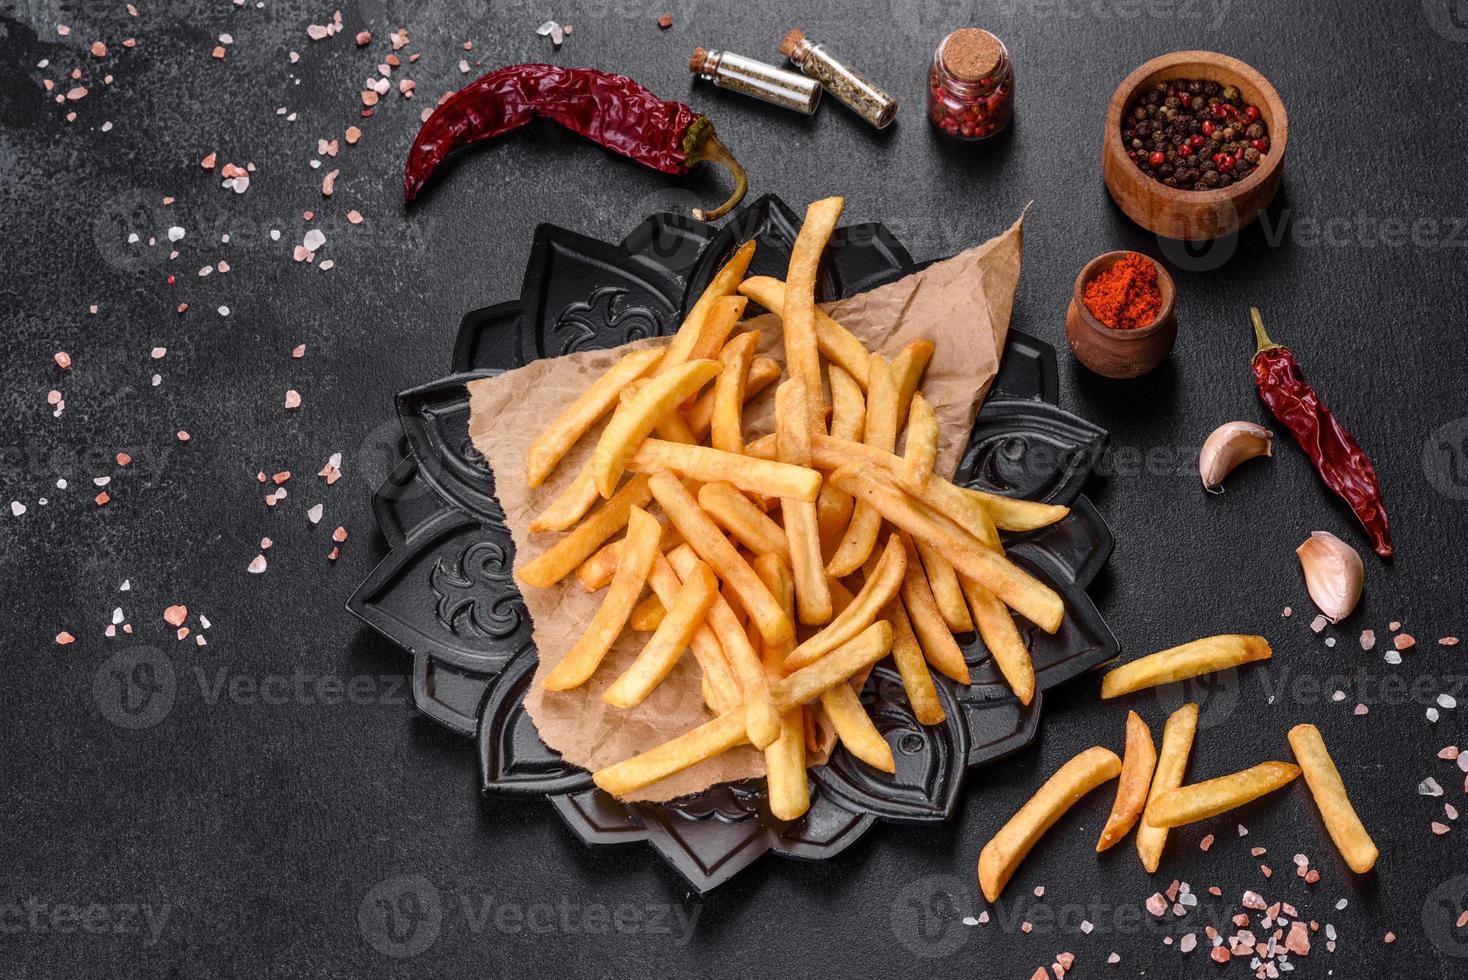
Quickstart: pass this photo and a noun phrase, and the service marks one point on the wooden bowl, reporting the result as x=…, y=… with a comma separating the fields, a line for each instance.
x=1120, y=353
x=1193, y=215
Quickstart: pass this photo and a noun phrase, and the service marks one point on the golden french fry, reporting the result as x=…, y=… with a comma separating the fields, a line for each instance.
x=880, y=432
x=637, y=553
x=765, y=447
x=837, y=667
x=837, y=343
x=562, y=558
x=763, y=372
x=1018, y=589
x=788, y=787
x=750, y=526
x=569, y=506
x=1212, y=653
x=946, y=590
x=938, y=644
x=583, y=413
x=848, y=419
x=855, y=729
x=1137, y=764
x=802, y=354
x=630, y=426
x=720, y=686
x=921, y=451
x=1003, y=854
x=1013, y=514
x=647, y=615
x=907, y=654
x=1189, y=804
x=724, y=283
x=596, y=572
x=1329, y=791
x=723, y=317
x=880, y=588
x=1002, y=639
x=727, y=422
x=661, y=652
x=802, y=531
x=708, y=465
x=1172, y=762
x=907, y=371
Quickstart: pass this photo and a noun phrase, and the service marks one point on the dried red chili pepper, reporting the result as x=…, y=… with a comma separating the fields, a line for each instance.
x=1338, y=458
x=609, y=109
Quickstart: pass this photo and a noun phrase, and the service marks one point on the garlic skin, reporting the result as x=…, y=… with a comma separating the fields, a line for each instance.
x=1333, y=574
x=1229, y=445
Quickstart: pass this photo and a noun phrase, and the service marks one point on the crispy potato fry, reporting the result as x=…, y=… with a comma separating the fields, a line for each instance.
x=788, y=788
x=802, y=532
x=670, y=427
x=638, y=551
x=907, y=372
x=708, y=465
x=662, y=651
x=907, y=654
x=723, y=318
x=1014, y=514
x=583, y=413
x=562, y=558
x=763, y=372
x=802, y=355
x=629, y=427
x=946, y=590
x=596, y=572
x=647, y=615
x=837, y=343
x=938, y=644
x=765, y=447
x=1189, y=804
x=1329, y=791
x=750, y=526
x=1137, y=764
x=848, y=419
x=1003, y=854
x=1212, y=653
x=855, y=729
x=1172, y=763
x=1002, y=639
x=880, y=588
x=837, y=667
x=1018, y=589
x=724, y=283
x=727, y=422
x=720, y=686
x=879, y=432
x=921, y=450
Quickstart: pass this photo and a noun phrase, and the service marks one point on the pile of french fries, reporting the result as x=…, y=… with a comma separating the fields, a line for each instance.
x=787, y=563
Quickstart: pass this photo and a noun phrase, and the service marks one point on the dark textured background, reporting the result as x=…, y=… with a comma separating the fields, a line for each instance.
x=262, y=828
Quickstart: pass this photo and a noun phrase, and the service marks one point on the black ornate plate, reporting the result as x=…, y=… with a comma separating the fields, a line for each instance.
x=445, y=592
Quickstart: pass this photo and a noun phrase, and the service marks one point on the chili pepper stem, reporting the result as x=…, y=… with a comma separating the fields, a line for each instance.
x=702, y=145
x=1260, y=337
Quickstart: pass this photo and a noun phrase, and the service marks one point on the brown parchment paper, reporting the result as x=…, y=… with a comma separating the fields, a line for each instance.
x=962, y=304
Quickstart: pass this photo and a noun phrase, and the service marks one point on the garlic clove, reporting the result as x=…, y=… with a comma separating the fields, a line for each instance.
x=1333, y=574
x=1229, y=445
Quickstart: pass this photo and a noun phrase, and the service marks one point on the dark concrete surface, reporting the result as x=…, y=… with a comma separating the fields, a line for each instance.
x=256, y=817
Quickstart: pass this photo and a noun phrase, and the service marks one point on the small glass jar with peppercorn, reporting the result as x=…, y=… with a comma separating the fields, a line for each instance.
x=1195, y=134
x=971, y=85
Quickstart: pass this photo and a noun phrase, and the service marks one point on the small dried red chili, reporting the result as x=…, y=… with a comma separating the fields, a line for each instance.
x=609, y=109
x=1338, y=458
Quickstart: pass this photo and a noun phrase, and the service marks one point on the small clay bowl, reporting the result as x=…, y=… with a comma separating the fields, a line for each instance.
x=1120, y=353
x=1193, y=215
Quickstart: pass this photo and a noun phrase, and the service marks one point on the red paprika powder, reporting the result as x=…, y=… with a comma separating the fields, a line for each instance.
x=1125, y=296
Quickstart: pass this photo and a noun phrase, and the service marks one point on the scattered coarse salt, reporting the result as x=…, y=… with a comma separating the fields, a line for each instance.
x=1448, y=753
x=1448, y=641
x=183, y=435
x=175, y=615
x=1188, y=943
x=1390, y=937
x=17, y=508
x=1156, y=904
x=257, y=565
x=364, y=38
x=1440, y=828
x=1392, y=657
x=1319, y=623
x=298, y=351
x=353, y=134
x=1433, y=715
x=314, y=239
x=1394, y=626
x=1361, y=709
x=224, y=311
x=292, y=400
x=1447, y=701
x=1429, y=787
x=63, y=360
x=340, y=535
x=175, y=234
x=1205, y=843
x=1404, y=641
x=1113, y=958
x=158, y=353
x=314, y=514
x=1368, y=639
x=1287, y=612
x=102, y=499
x=354, y=216
x=64, y=639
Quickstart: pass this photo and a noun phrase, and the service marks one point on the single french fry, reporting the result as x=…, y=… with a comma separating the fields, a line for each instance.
x=1018, y=589
x=802, y=354
x=727, y=421
x=996, y=627
x=630, y=426
x=1137, y=765
x=788, y=787
x=938, y=644
x=763, y=372
x=596, y=572
x=1172, y=763
x=907, y=372
x=837, y=667
x=765, y=447
x=921, y=450
x=720, y=687
x=1013, y=514
x=802, y=531
x=880, y=432
x=661, y=652
x=880, y=588
x=848, y=419
x=569, y=506
x=907, y=654
x=584, y=412
x=1189, y=804
x=1329, y=792
x=946, y=590
x=724, y=283
x=562, y=558
x=708, y=465
x=723, y=317
x=855, y=729
x=1212, y=653
x=1004, y=852
x=750, y=526
x=638, y=551
x=836, y=343
x=647, y=615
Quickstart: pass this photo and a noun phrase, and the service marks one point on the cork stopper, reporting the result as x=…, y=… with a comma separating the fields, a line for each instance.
x=971, y=54
x=699, y=61
x=791, y=41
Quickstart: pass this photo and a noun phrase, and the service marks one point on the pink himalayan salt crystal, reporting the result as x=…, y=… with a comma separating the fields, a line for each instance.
x=292, y=400
x=64, y=639
x=1404, y=641
x=257, y=565
x=1156, y=904
x=1205, y=843
x=1368, y=639
x=1448, y=641
x=1253, y=900
x=63, y=360
x=1298, y=939
x=175, y=615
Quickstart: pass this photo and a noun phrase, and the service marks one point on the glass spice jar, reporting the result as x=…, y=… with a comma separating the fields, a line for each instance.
x=971, y=85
